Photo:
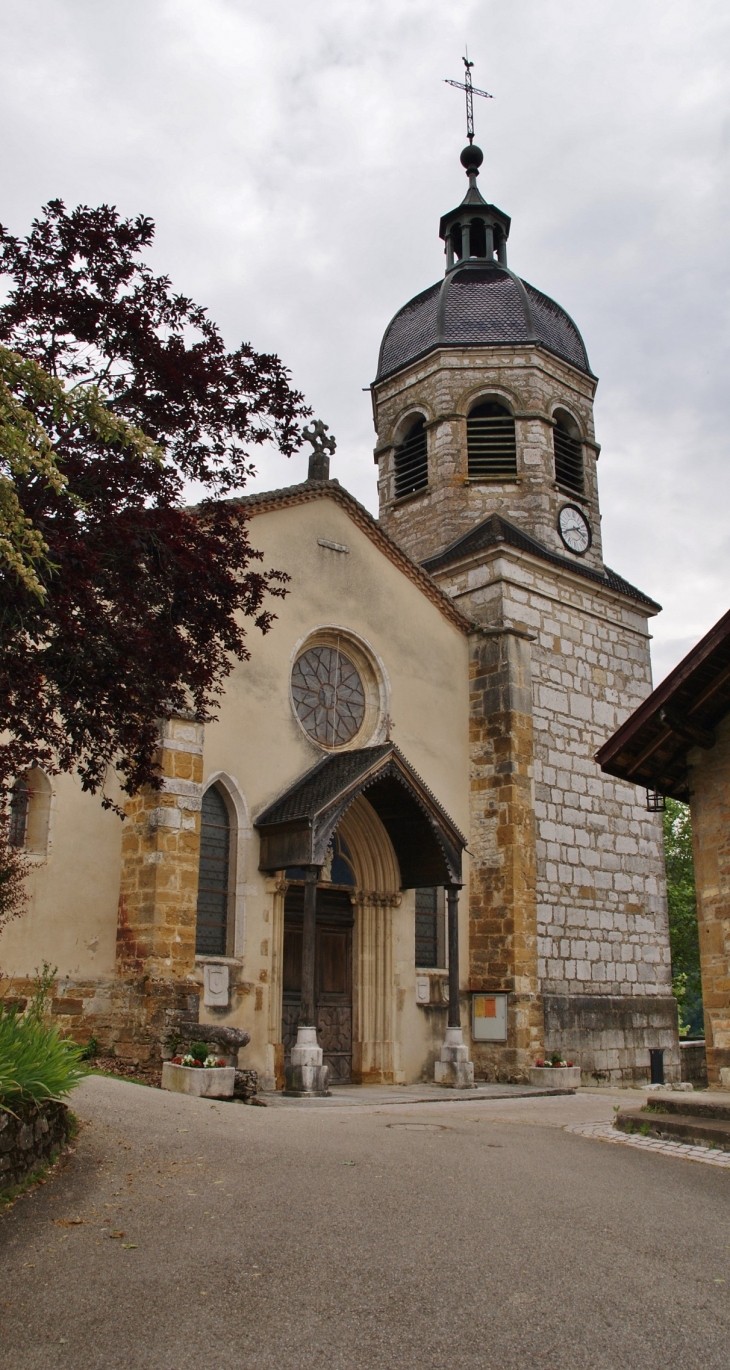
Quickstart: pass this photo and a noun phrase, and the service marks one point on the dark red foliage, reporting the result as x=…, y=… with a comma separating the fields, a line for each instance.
x=145, y=598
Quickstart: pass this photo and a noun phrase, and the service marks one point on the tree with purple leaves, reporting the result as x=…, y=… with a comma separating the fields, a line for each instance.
x=140, y=603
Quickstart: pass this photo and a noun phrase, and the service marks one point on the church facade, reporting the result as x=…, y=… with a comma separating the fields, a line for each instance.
x=394, y=854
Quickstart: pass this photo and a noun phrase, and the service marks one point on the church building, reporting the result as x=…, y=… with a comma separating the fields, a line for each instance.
x=393, y=856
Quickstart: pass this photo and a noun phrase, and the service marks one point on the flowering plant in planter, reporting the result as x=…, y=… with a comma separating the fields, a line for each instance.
x=199, y=1058
x=555, y=1062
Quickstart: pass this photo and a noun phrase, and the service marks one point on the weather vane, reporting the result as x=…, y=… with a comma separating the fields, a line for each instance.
x=471, y=91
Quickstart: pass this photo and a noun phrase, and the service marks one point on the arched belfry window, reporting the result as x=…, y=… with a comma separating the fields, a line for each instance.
x=211, y=937
x=568, y=453
x=490, y=440
x=411, y=461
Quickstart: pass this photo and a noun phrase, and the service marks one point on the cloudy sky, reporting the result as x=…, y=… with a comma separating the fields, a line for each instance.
x=296, y=157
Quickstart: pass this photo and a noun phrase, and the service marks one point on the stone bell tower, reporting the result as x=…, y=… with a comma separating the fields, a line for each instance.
x=483, y=399
x=486, y=452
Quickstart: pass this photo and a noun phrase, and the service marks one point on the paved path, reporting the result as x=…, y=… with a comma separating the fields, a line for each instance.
x=185, y=1235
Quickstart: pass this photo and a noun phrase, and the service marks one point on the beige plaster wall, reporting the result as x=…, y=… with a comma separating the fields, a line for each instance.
x=257, y=749
x=260, y=749
x=71, y=916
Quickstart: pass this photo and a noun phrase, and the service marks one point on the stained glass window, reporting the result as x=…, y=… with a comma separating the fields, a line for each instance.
x=427, y=928
x=215, y=844
x=19, y=806
x=328, y=696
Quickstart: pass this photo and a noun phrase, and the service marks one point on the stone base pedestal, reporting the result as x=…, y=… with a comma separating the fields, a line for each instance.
x=454, y=1068
x=307, y=1077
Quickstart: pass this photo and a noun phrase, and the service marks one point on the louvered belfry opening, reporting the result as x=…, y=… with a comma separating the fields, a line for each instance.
x=213, y=881
x=411, y=461
x=490, y=439
x=568, y=454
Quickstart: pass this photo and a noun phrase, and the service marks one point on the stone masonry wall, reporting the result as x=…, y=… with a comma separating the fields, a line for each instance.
x=443, y=387
x=160, y=856
x=602, y=920
x=502, y=906
x=601, y=903
x=28, y=1138
x=710, y=808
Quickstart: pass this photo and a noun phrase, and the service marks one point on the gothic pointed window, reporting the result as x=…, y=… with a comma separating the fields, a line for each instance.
x=411, y=461
x=30, y=812
x=211, y=936
x=568, y=453
x=19, y=808
x=490, y=440
x=430, y=941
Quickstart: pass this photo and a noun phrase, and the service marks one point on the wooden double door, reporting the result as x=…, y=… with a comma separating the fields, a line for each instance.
x=332, y=977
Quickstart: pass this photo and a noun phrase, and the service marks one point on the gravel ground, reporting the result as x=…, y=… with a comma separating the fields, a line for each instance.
x=187, y=1234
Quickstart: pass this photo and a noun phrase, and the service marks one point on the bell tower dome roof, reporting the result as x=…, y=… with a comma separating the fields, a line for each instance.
x=480, y=302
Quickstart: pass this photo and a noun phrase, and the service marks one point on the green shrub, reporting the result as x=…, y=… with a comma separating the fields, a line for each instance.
x=200, y=1050
x=36, y=1063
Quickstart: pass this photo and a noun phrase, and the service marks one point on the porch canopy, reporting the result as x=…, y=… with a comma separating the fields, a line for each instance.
x=297, y=828
x=651, y=748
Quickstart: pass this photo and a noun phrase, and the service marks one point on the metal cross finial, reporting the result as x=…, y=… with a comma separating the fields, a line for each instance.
x=471, y=91
x=322, y=442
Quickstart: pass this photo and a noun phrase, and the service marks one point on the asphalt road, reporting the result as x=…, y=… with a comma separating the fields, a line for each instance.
x=214, y=1236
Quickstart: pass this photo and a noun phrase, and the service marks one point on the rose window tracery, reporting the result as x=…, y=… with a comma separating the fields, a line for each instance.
x=329, y=696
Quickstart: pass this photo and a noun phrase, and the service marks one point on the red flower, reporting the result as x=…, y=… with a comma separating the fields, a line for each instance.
x=176, y=1061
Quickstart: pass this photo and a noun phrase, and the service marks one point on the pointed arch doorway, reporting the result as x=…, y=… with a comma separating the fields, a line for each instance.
x=353, y=952
x=396, y=837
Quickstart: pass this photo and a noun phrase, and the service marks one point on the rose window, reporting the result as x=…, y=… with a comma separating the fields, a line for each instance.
x=328, y=695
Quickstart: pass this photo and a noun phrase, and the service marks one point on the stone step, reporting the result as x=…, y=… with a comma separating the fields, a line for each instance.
x=690, y=1105
x=696, y=1130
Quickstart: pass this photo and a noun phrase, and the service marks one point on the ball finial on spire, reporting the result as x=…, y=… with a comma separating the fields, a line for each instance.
x=472, y=158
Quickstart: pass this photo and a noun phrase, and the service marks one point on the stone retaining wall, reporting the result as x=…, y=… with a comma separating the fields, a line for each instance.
x=28, y=1140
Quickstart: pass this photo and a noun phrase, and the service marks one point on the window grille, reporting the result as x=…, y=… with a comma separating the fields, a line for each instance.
x=411, y=461
x=490, y=440
x=213, y=880
x=427, y=947
x=568, y=457
x=19, y=807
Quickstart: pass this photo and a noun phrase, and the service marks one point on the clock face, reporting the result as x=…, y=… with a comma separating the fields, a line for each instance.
x=574, y=529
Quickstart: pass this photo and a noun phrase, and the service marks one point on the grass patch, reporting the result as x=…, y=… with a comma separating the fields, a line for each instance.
x=127, y=1079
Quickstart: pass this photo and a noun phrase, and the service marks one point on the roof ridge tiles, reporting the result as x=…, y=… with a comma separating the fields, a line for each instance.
x=496, y=529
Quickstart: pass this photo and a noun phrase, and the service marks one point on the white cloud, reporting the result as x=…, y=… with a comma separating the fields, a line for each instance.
x=297, y=159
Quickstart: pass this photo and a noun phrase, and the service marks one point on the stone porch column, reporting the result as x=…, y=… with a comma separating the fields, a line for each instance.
x=454, y=1068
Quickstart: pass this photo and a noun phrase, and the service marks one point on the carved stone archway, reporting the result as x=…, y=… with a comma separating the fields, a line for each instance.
x=375, y=896
x=375, y=1047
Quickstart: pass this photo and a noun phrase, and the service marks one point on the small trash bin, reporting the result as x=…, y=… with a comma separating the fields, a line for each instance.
x=656, y=1065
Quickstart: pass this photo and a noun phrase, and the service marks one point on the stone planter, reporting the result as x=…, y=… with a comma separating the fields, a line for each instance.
x=556, y=1077
x=211, y=1082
